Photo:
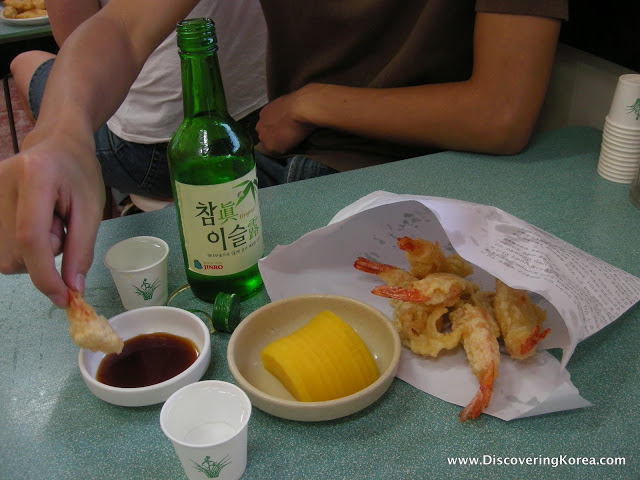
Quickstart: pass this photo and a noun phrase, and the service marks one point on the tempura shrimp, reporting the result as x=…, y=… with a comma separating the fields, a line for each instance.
x=520, y=321
x=483, y=353
x=420, y=328
x=418, y=325
x=389, y=274
x=88, y=329
x=435, y=289
x=424, y=257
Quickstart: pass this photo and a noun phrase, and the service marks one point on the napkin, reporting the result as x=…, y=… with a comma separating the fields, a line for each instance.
x=581, y=294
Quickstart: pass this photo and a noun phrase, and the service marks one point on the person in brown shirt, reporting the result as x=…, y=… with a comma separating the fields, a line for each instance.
x=351, y=83
x=370, y=82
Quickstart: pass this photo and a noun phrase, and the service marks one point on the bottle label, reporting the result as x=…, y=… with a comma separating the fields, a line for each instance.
x=221, y=225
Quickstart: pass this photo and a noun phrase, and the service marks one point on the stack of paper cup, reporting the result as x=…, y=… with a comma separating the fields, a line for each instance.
x=620, y=150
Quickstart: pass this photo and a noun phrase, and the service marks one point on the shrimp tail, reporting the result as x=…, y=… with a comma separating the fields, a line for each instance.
x=369, y=266
x=533, y=339
x=482, y=398
x=407, y=244
x=399, y=293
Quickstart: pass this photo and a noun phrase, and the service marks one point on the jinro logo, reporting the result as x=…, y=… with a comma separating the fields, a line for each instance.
x=217, y=266
x=207, y=266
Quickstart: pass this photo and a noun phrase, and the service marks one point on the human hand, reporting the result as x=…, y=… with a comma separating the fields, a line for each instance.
x=281, y=127
x=55, y=182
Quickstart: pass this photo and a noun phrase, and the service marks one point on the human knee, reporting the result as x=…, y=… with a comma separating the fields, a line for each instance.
x=25, y=63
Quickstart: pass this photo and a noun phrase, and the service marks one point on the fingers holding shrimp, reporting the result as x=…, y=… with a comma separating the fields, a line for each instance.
x=44, y=189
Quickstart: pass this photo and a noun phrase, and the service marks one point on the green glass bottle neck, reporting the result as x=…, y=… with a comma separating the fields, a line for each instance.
x=202, y=89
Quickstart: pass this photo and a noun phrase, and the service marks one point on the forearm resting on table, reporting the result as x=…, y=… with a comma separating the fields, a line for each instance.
x=453, y=116
x=494, y=111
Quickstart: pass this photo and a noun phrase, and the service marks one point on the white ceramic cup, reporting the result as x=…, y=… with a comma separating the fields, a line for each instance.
x=138, y=266
x=207, y=423
x=625, y=106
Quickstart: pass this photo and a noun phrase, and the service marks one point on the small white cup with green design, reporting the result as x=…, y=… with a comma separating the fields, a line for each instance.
x=625, y=106
x=207, y=423
x=138, y=266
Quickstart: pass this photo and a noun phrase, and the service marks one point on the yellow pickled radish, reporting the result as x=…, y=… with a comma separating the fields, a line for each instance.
x=324, y=360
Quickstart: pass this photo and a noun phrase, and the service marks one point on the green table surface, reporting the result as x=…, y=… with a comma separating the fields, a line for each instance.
x=52, y=427
x=10, y=32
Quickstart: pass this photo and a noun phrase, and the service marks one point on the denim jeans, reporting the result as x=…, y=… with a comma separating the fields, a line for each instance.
x=143, y=169
x=274, y=171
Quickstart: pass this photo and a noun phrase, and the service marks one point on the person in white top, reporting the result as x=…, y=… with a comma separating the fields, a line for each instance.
x=132, y=145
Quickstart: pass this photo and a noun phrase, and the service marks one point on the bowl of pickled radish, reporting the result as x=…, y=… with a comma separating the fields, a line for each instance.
x=314, y=357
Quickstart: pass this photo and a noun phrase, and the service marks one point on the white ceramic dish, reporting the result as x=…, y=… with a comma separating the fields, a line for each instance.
x=24, y=21
x=150, y=320
x=283, y=317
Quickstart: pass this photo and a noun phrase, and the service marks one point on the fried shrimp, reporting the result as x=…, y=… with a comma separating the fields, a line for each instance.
x=392, y=276
x=457, y=265
x=436, y=308
x=90, y=330
x=420, y=328
x=483, y=353
x=435, y=289
x=520, y=321
x=424, y=257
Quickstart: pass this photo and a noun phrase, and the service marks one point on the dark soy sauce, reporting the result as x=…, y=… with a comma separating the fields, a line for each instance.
x=146, y=360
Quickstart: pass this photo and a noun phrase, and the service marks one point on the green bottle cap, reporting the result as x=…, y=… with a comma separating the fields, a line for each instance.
x=225, y=315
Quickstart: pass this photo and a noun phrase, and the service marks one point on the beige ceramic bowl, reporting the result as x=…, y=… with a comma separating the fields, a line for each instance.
x=150, y=320
x=281, y=318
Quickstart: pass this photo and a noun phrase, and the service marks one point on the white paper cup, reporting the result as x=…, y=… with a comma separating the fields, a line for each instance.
x=620, y=170
x=611, y=174
x=622, y=165
x=138, y=266
x=615, y=142
x=625, y=106
x=629, y=133
x=624, y=157
x=618, y=167
x=207, y=423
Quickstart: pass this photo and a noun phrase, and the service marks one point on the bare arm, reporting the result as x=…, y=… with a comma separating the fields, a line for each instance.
x=66, y=15
x=494, y=111
x=56, y=181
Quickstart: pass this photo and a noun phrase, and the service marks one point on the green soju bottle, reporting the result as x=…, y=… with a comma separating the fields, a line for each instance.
x=213, y=172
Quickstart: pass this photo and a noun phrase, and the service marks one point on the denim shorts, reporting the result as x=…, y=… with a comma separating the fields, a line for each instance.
x=143, y=169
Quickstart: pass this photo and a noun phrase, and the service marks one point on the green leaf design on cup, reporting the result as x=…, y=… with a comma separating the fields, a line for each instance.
x=634, y=109
x=210, y=468
x=146, y=289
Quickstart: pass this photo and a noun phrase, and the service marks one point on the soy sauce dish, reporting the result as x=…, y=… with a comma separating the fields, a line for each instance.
x=182, y=334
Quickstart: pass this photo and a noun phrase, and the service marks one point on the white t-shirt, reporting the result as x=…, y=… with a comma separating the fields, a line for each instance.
x=152, y=111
